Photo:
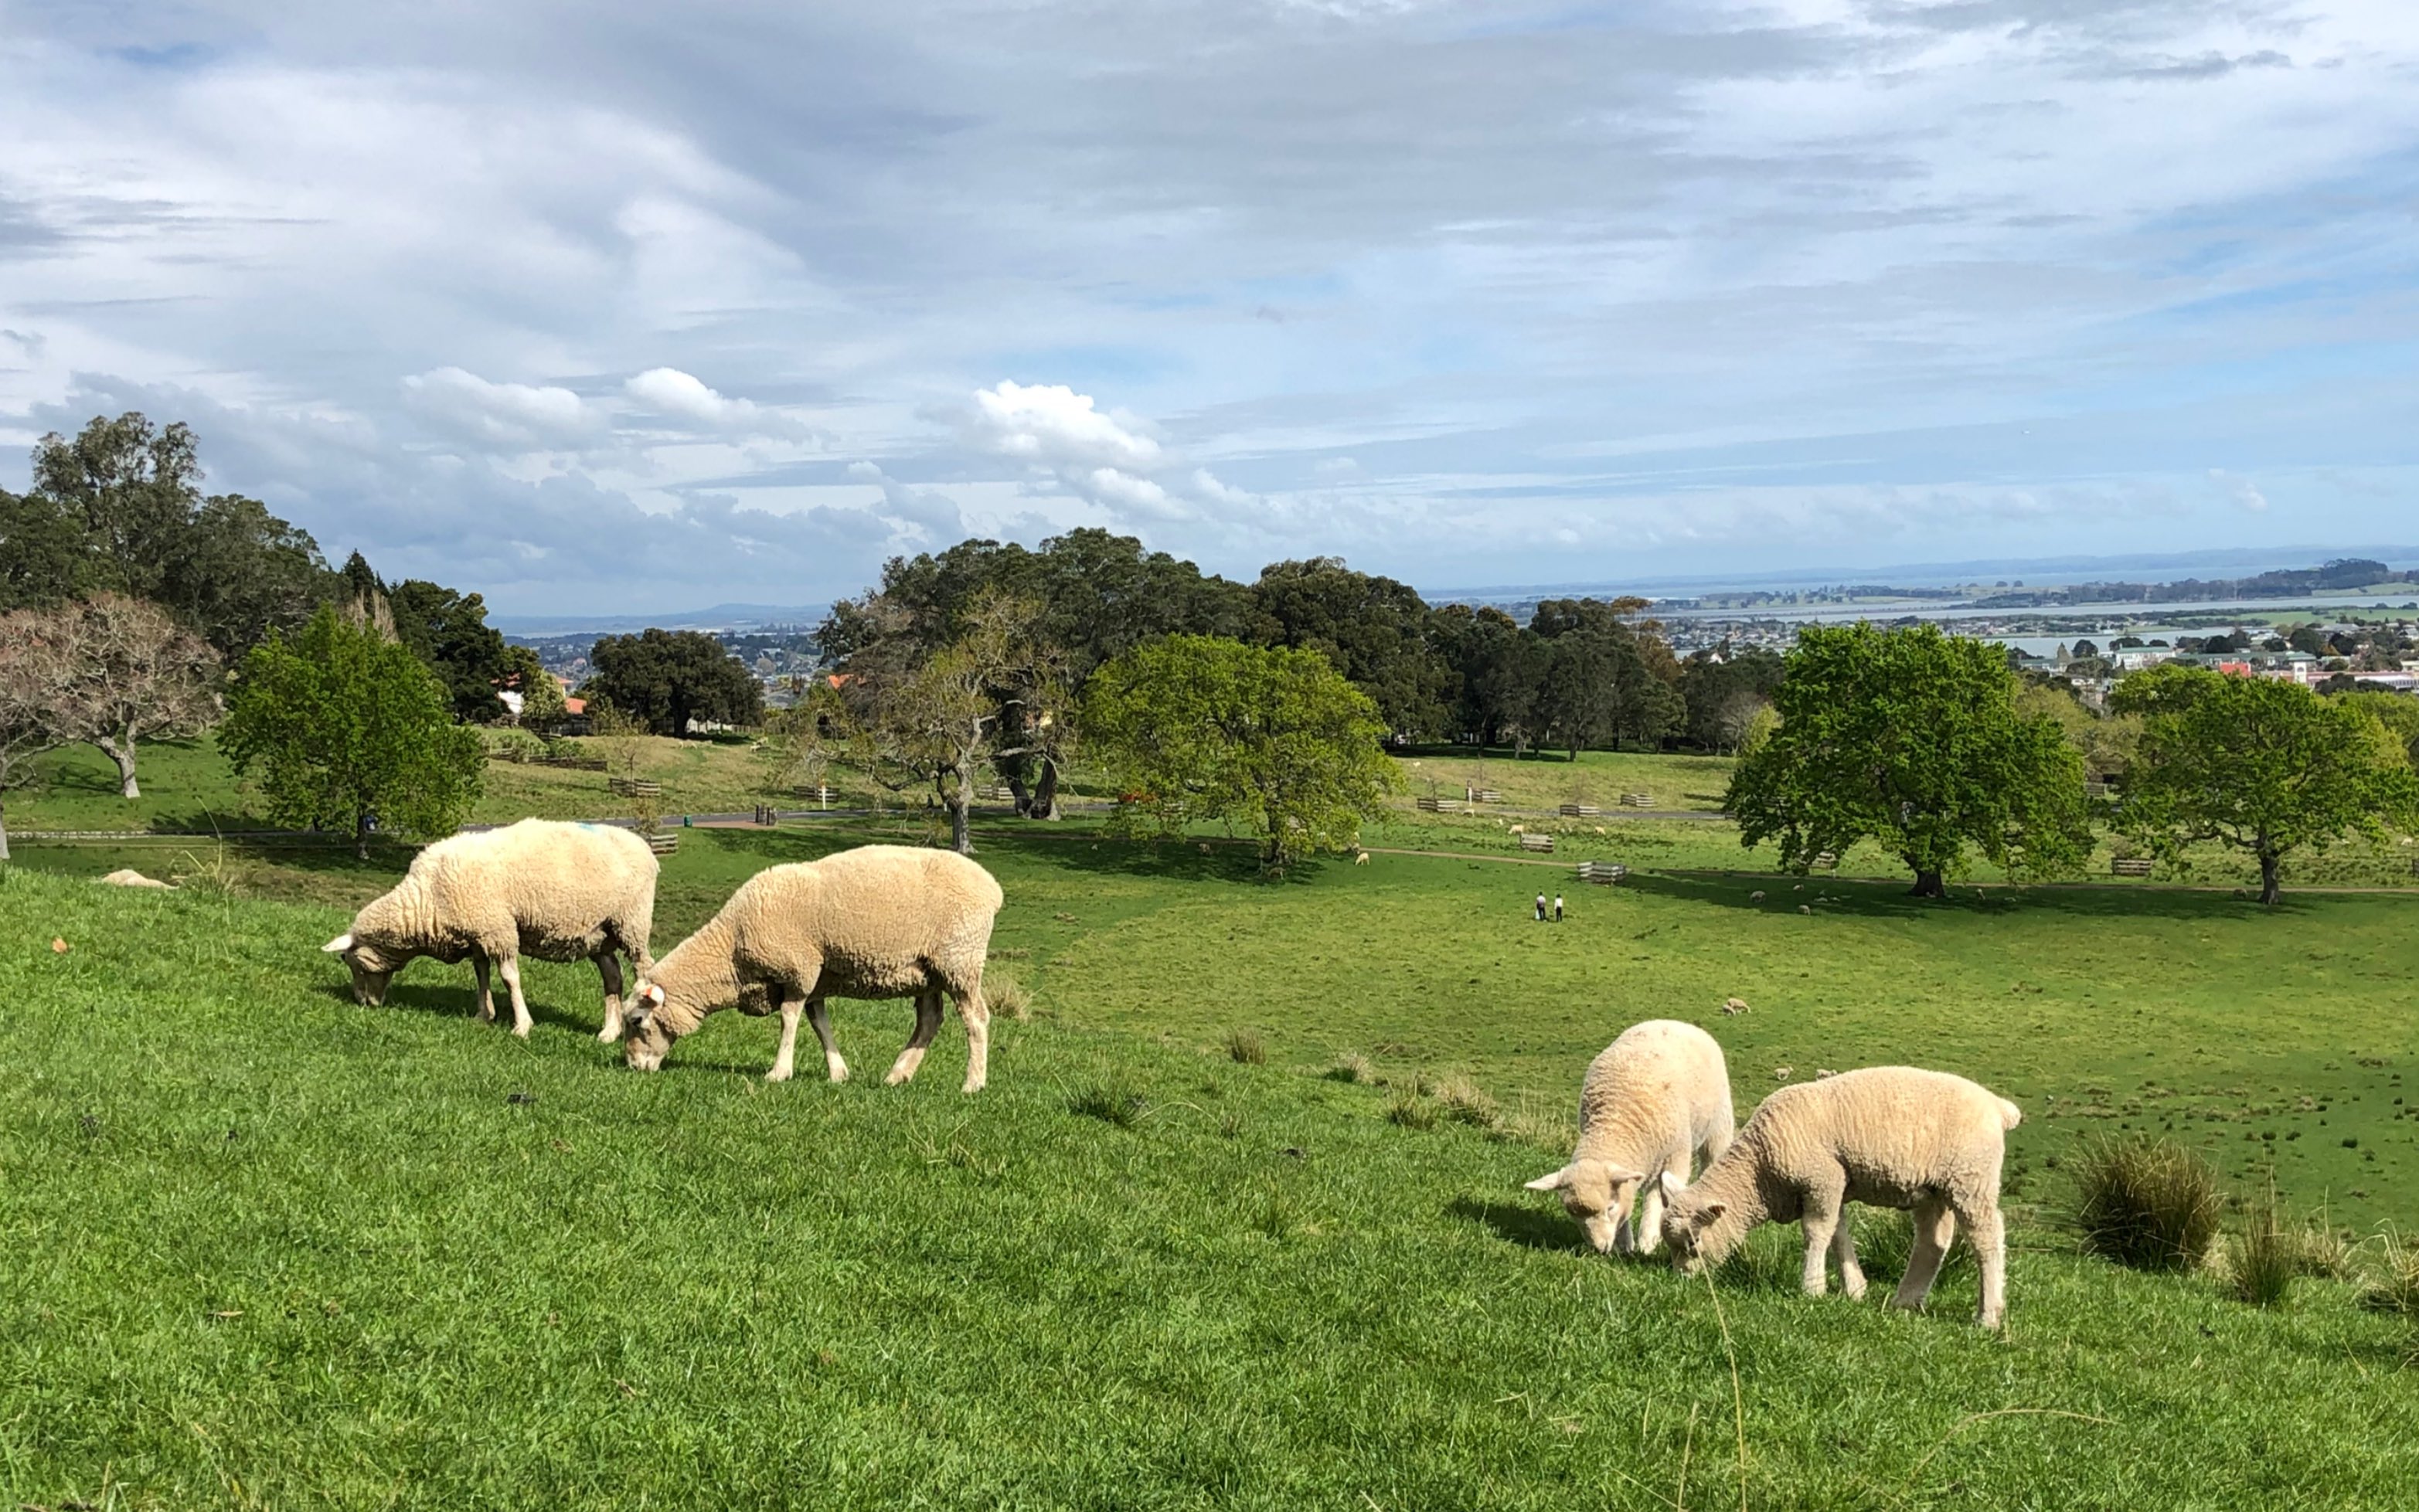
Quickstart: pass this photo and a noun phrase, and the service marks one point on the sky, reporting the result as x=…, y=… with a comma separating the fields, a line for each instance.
x=604, y=307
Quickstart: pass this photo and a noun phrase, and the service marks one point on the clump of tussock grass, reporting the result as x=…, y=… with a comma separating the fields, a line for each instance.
x=1004, y=994
x=1538, y=1121
x=2262, y=1260
x=1246, y=1048
x=1459, y=1101
x=218, y=874
x=1352, y=1067
x=2149, y=1204
x=1409, y=1110
x=2391, y=1283
x=1111, y=1104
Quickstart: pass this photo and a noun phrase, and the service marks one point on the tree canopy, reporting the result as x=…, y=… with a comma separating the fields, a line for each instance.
x=666, y=677
x=1270, y=740
x=1910, y=738
x=344, y=728
x=119, y=508
x=2258, y=765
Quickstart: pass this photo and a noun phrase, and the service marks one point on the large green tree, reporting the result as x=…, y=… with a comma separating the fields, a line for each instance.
x=1723, y=692
x=666, y=677
x=2258, y=765
x=1911, y=738
x=1372, y=630
x=345, y=728
x=1270, y=740
x=120, y=507
x=449, y=631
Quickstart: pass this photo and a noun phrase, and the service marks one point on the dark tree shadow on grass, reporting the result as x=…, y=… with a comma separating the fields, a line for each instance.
x=443, y=1000
x=1885, y=899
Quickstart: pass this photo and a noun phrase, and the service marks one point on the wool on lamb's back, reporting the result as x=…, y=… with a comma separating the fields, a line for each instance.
x=1897, y=1130
x=547, y=889
x=884, y=920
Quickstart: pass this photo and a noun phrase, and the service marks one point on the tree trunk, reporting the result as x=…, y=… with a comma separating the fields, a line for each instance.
x=120, y=749
x=1044, y=802
x=362, y=834
x=962, y=837
x=2269, y=892
x=1928, y=885
x=4, y=831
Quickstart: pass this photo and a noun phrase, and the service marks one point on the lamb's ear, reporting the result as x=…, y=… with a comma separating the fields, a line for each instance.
x=1673, y=1185
x=1711, y=1211
x=1617, y=1176
x=1554, y=1182
x=341, y=943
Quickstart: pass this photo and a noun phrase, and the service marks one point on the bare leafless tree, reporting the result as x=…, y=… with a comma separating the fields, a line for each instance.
x=134, y=675
x=35, y=669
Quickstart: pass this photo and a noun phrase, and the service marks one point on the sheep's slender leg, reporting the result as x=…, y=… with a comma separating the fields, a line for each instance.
x=1844, y=1249
x=486, y=1003
x=509, y=966
x=1820, y=1219
x=819, y=1015
x=791, y=1008
x=928, y=1023
x=609, y=966
x=1650, y=1207
x=1935, y=1229
x=1988, y=1231
x=975, y=1014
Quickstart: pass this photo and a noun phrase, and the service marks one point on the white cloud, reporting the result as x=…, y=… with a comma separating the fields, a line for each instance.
x=2244, y=493
x=1105, y=459
x=669, y=391
x=505, y=416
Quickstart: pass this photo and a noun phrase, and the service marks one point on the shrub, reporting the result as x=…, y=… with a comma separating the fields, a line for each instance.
x=1352, y=1067
x=1246, y=1048
x=1110, y=1105
x=508, y=744
x=2151, y=1204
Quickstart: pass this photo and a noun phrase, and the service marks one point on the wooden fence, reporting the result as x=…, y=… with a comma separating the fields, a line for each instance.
x=1483, y=795
x=1440, y=806
x=2130, y=866
x=1537, y=842
x=1637, y=799
x=1580, y=811
x=1602, y=873
x=634, y=787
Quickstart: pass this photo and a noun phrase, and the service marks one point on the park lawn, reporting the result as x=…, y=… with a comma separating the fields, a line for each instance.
x=273, y=1248
x=1540, y=781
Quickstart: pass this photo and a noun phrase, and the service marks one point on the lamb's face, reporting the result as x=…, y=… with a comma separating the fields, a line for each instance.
x=646, y=1038
x=372, y=969
x=1686, y=1219
x=1598, y=1198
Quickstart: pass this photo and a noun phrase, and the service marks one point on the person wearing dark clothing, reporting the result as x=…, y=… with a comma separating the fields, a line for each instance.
x=1541, y=907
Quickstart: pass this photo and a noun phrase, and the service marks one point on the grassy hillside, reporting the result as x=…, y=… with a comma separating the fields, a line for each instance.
x=271, y=1248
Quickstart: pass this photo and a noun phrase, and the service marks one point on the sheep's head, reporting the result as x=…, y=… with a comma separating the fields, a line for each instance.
x=1689, y=1222
x=1598, y=1195
x=372, y=969
x=647, y=1032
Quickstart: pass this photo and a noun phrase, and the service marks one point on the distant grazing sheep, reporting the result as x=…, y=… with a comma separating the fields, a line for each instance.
x=1893, y=1137
x=1652, y=1098
x=128, y=876
x=557, y=892
x=876, y=922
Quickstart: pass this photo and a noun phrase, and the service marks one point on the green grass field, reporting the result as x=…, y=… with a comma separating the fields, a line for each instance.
x=275, y=1249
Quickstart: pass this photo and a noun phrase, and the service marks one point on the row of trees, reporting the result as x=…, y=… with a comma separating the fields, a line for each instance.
x=1926, y=744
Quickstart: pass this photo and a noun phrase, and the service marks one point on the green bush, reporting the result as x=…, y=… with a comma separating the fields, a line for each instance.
x=2150, y=1204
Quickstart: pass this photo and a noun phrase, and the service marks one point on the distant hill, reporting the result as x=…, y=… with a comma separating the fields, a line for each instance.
x=721, y=617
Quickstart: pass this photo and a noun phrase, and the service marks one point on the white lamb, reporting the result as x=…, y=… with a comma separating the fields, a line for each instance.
x=1652, y=1097
x=876, y=922
x=557, y=892
x=1890, y=1135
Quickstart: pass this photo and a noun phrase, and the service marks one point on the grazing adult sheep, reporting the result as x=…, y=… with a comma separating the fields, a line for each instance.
x=876, y=922
x=1893, y=1137
x=1652, y=1098
x=557, y=892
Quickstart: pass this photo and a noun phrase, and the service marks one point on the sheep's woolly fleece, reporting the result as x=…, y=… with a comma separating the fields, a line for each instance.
x=1653, y=1097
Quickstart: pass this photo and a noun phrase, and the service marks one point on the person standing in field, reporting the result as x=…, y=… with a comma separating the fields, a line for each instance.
x=1558, y=907
x=1541, y=907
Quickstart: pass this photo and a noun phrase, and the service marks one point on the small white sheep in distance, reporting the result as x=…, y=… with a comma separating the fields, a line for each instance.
x=1892, y=1136
x=1652, y=1098
x=554, y=890
x=876, y=922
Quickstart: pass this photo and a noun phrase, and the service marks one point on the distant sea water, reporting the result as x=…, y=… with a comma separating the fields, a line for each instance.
x=2106, y=620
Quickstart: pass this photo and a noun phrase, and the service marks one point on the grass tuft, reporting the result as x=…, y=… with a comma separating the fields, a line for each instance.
x=1246, y=1048
x=2393, y=1281
x=2149, y=1204
x=1352, y=1067
x=1006, y=995
x=1459, y=1101
x=2262, y=1260
x=1110, y=1105
x=1411, y=1111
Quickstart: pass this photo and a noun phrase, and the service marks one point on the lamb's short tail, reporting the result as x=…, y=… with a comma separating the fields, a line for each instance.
x=2009, y=1114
